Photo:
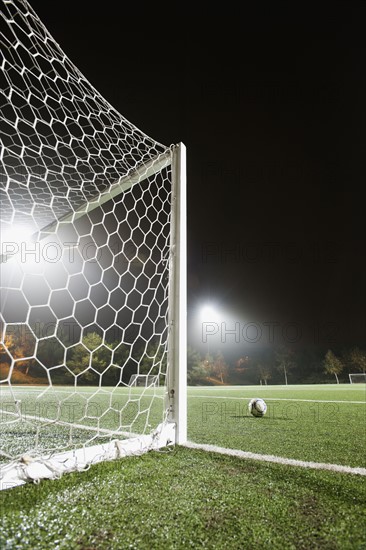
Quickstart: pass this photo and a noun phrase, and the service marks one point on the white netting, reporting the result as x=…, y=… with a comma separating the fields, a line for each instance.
x=85, y=229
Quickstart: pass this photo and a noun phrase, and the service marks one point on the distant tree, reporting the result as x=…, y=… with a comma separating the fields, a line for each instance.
x=203, y=372
x=9, y=345
x=193, y=358
x=121, y=353
x=358, y=359
x=50, y=352
x=20, y=342
x=195, y=371
x=242, y=362
x=90, y=353
x=207, y=364
x=5, y=359
x=197, y=368
x=242, y=365
x=122, y=366
x=332, y=365
x=285, y=360
x=264, y=373
x=219, y=368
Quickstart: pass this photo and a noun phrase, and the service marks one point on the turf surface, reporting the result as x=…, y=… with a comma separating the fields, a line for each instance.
x=186, y=498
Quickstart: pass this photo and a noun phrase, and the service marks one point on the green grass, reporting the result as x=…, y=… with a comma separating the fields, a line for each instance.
x=314, y=423
x=186, y=498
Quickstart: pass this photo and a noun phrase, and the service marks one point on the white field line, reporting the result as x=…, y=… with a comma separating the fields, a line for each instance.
x=280, y=399
x=289, y=387
x=277, y=459
x=300, y=387
x=69, y=424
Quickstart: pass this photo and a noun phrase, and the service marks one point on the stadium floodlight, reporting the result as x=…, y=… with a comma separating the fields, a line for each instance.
x=105, y=299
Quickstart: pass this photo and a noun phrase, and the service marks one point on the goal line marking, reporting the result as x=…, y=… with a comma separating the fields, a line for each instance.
x=276, y=459
x=63, y=423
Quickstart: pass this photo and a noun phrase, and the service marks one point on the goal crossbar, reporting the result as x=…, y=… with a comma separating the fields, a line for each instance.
x=142, y=172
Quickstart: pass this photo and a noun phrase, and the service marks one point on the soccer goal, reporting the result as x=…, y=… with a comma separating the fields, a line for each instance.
x=93, y=269
x=357, y=378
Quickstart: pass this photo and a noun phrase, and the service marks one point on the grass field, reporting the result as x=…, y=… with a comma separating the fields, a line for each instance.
x=184, y=498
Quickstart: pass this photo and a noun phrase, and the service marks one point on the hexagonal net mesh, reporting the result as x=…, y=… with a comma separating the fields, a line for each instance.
x=85, y=257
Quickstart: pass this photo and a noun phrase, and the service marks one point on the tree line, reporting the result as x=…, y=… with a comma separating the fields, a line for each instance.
x=92, y=362
x=96, y=362
x=277, y=366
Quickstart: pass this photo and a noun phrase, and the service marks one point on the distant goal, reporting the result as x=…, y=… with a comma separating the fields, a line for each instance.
x=144, y=381
x=93, y=269
x=357, y=378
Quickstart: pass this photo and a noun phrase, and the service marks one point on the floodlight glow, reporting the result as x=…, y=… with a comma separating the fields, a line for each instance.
x=16, y=242
x=209, y=314
x=13, y=235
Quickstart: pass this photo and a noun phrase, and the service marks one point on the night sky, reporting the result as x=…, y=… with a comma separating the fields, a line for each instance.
x=270, y=103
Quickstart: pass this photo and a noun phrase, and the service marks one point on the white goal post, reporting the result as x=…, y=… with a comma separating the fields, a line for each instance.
x=93, y=269
x=357, y=378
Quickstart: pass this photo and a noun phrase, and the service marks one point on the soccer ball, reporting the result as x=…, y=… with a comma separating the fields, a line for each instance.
x=257, y=407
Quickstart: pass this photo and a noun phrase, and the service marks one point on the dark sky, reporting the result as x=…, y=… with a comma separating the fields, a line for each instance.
x=270, y=102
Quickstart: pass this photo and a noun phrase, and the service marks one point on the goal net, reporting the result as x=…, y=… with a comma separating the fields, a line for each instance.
x=92, y=269
x=357, y=378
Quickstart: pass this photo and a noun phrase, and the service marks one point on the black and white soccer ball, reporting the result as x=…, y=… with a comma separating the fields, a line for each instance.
x=257, y=407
